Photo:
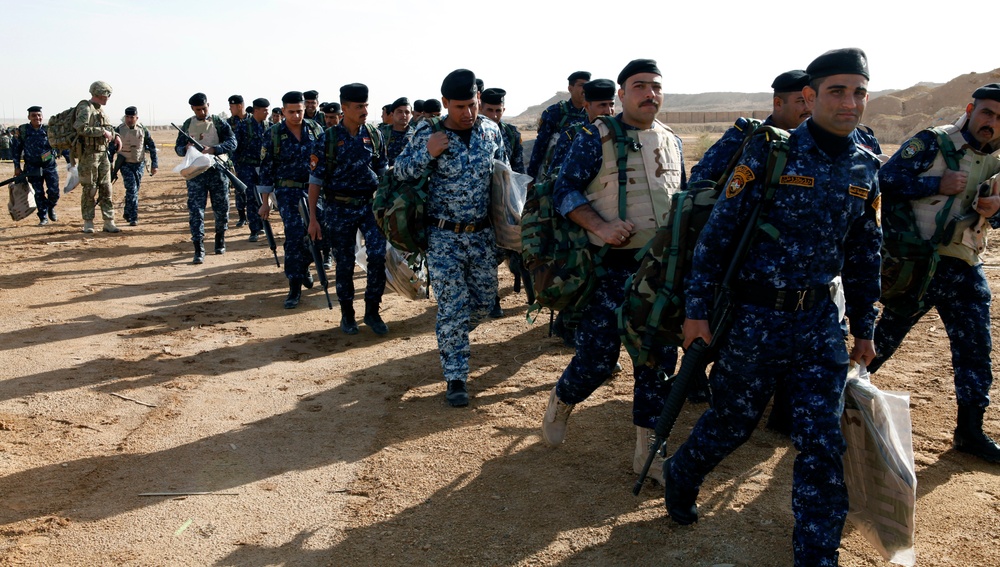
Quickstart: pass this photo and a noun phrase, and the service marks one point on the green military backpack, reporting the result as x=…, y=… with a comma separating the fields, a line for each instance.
x=400, y=206
x=652, y=312
x=908, y=261
x=555, y=249
x=60, y=129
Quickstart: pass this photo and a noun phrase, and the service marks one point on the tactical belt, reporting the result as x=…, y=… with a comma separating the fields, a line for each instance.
x=458, y=227
x=348, y=200
x=780, y=299
x=291, y=184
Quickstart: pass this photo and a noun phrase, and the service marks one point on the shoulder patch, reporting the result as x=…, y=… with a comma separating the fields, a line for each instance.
x=859, y=192
x=741, y=176
x=912, y=148
x=797, y=180
x=877, y=205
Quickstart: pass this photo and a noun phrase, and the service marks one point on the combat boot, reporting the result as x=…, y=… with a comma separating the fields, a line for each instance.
x=243, y=219
x=554, y=422
x=199, y=252
x=220, y=242
x=372, y=318
x=643, y=440
x=109, y=226
x=254, y=236
x=52, y=215
x=308, y=280
x=681, y=506
x=970, y=437
x=88, y=226
x=327, y=260
x=347, y=322
x=496, y=311
x=294, y=293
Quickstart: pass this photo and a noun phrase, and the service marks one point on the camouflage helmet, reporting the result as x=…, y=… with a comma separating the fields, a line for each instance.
x=100, y=88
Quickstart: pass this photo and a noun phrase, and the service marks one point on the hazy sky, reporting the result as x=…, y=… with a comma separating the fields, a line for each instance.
x=157, y=54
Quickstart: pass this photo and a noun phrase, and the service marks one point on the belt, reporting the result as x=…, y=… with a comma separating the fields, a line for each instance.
x=291, y=184
x=459, y=227
x=781, y=299
x=348, y=200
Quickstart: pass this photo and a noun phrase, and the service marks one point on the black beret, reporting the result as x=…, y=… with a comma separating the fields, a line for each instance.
x=460, y=84
x=433, y=105
x=418, y=105
x=790, y=81
x=480, y=85
x=292, y=97
x=276, y=110
x=354, y=92
x=311, y=95
x=261, y=103
x=990, y=92
x=333, y=107
x=34, y=109
x=401, y=101
x=846, y=61
x=494, y=96
x=198, y=99
x=131, y=111
x=637, y=66
x=599, y=89
x=577, y=75
x=236, y=99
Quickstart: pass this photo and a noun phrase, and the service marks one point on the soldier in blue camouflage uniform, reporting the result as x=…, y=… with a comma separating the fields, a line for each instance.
x=655, y=170
x=493, y=108
x=39, y=163
x=461, y=255
x=287, y=176
x=349, y=179
x=826, y=216
x=959, y=289
x=557, y=118
x=332, y=114
x=432, y=109
x=136, y=142
x=238, y=122
x=312, y=107
x=249, y=139
x=217, y=137
x=398, y=131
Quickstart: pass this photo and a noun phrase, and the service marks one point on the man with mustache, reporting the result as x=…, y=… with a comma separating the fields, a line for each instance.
x=959, y=289
x=587, y=193
x=821, y=222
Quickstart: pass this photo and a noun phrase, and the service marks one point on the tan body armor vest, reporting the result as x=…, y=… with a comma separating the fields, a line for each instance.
x=969, y=239
x=204, y=131
x=132, y=142
x=653, y=174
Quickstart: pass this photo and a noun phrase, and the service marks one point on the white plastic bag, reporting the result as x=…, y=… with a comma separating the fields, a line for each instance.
x=878, y=466
x=509, y=191
x=406, y=274
x=194, y=164
x=72, y=178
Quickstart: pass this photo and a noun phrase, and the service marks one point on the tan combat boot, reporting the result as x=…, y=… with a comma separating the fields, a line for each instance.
x=554, y=423
x=109, y=226
x=643, y=439
x=88, y=226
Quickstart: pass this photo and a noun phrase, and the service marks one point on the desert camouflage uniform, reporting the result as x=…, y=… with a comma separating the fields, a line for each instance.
x=91, y=153
x=288, y=178
x=462, y=266
x=131, y=173
x=249, y=139
x=548, y=126
x=39, y=166
x=210, y=184
x=827, y=224
x=349, y=188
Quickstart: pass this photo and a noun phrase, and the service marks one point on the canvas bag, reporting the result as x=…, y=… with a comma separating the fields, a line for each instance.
x=21, y=201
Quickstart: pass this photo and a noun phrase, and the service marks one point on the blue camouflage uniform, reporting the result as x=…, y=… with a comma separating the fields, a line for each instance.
x=212, y=184
x=554, y=120
x=395, y=141
x=462, y=265
x=131, y=174
x=513, y=147
x=826, y=215
x=598, y=344
x=249, y=139
x=239, y=126
x=39, y=166
x=958, y=290
x=287, y=175
x=349, y=187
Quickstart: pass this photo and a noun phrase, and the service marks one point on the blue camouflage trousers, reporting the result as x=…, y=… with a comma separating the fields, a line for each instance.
x=342, y=222
x=297, y=257
x=961, y=295
x=131, y=174
x=248, y=175
x=598, y=346
x=806, y=349
x=45, y=200
x=463, y=274
x=211, y=184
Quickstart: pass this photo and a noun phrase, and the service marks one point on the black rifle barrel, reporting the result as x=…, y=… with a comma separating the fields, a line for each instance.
x=218, y=163
x=314, y=250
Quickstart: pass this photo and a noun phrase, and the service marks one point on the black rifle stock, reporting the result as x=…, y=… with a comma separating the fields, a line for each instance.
x=15, y=179
x=314, y=250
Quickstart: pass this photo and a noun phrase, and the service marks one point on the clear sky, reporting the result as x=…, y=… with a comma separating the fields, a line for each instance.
x=157, y=54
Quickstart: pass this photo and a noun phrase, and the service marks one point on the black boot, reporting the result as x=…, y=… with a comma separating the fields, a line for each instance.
x=372, y=318
x=199, y=252
x=243, y=219
x=496, y=312
x=681, y=505
x=327, y=260
x=970, y=437
x=347, y=322
x=294, y=293
x=308, y=280
x=220, y=242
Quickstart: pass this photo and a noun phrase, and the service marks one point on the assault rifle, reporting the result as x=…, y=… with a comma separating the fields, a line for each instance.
x=119, y=162
x=317, y=255
x=268, y=231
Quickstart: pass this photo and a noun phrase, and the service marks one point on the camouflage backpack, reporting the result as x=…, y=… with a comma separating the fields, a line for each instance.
x=555, y=249
x=60, y=131
x=652, y=312
x=399, y=206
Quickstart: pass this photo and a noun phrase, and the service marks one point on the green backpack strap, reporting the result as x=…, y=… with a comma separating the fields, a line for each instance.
x=776, y=160
x=952, y=157
x=331, y=148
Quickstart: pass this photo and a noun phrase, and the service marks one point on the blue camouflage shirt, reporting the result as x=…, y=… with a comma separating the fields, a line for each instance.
x=34, y=146
x=459, y=185
x=713, y=164
x=359, y=159
x=249, y=138
x=292, y=162
x=395, y=141
x=826, y=212
x=582, y=163
x=548, y=126
x=513, y=147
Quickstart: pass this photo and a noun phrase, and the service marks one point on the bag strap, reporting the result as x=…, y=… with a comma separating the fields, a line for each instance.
x=945, y=230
